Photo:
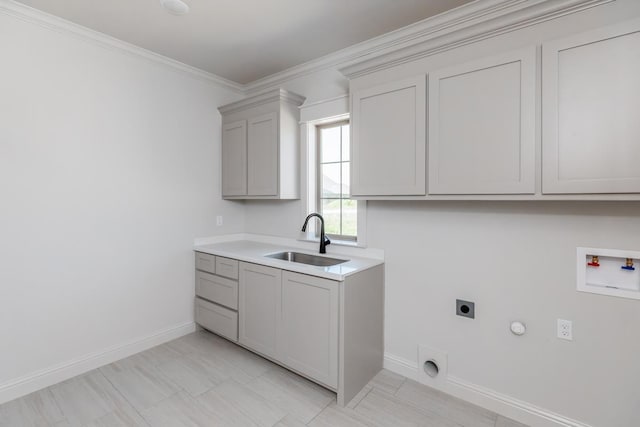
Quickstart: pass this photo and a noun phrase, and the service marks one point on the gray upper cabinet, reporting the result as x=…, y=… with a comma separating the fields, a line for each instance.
x=591, y=100
x=234, y=158
x=482, y=118
x=260, y=147
x=388, y=139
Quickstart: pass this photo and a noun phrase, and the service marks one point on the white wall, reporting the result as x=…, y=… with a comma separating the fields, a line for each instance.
x=109, y=168
x=516, y=261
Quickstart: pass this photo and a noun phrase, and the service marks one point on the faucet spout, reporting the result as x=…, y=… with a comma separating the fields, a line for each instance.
x=324, y=240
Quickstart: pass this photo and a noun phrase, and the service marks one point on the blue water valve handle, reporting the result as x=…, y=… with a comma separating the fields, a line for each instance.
x=628, y=265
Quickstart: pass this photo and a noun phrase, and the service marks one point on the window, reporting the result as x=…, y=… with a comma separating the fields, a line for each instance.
x=340, y=213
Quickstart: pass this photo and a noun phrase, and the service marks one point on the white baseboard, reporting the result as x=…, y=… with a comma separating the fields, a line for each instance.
x=16, y=388
x=508, y=406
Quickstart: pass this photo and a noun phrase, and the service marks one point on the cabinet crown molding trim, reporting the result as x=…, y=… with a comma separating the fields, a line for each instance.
x=462, y=32
x=51, y=22
x=466, y=24
x=390, y=41
x=264, y=98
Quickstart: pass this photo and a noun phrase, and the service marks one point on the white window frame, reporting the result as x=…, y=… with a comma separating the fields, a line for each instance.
x=318, y=165
x=311, y=116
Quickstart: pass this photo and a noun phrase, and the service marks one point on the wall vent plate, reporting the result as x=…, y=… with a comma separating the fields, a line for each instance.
x=466, y=309
x=432, y=367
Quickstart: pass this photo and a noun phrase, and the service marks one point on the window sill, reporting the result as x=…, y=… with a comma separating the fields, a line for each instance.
x=348, y=243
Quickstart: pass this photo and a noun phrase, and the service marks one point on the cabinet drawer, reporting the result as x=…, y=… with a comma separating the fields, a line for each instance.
x=205, y=262
x=227, y=267
x=217, y=289
x=217, y=319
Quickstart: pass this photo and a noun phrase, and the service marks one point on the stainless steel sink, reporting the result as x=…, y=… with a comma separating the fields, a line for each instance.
x=301, y=258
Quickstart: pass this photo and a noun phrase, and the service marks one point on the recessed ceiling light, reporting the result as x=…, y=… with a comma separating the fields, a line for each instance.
x=175, y=7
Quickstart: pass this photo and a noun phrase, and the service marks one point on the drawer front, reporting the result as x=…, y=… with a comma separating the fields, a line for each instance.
x=217, y=289
x=217, y=319
x=227, y=267
x=205, y=262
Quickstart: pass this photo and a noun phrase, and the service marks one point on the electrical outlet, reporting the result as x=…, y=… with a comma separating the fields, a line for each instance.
x=466, y=309
x=565, y=329
x=219, y=220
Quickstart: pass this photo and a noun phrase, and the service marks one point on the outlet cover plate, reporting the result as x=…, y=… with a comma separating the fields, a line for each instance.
x=466, y=309
x=565, y=329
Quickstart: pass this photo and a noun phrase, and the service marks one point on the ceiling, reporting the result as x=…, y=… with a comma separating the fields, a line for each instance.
x=245, y=40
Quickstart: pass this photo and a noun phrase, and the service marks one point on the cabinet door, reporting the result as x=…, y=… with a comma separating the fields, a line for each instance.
x=591, y=130
x=234, y=159
x=259, y=308
x=482, y=126
x=263, y=155
x=309, y=326
x=389, y=141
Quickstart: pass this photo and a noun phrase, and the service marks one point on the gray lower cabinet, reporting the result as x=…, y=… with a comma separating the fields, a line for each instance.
x=327, y=330
x=227, y=267
x=216, y=303
x=217, y=289
x=205, y=262
x=309, y=326
x=217, y=319
x=292, y=318
x=259, y=306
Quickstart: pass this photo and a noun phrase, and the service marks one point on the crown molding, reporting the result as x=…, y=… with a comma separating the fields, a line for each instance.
x=327, y=109
x=278, y=94
x=470, y=12
x=325, y=101
x=531, y=14
x=466, y=24
x=62, y=26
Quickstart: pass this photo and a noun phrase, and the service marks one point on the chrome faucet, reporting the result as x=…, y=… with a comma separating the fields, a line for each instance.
x=324, y=240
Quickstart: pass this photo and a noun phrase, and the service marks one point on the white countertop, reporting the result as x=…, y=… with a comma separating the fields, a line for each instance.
x=254, y=252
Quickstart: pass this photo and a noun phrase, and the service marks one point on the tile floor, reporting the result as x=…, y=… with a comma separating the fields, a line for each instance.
x=204, y=380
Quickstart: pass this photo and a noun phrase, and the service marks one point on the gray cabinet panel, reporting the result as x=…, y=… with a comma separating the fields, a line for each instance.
x=205, y=262
x=217, y=319
x=259, y=308
x=262, y=155
x=591, y=131
x=482, y=126
x=234, y=158
x=389, y=141
x=217, y=289
x=227, y=267
x=309, y=326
